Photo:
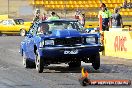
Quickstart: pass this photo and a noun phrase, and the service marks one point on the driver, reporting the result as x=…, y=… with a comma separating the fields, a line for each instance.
x=43, y=29
x=68, y=26
x=40, y=30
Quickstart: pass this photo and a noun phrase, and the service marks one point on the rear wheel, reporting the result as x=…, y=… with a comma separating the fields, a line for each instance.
x=39, y=63
x=95, y=59
x=22, y=32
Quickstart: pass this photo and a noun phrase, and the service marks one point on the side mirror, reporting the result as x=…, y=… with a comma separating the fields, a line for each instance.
x=29, y=35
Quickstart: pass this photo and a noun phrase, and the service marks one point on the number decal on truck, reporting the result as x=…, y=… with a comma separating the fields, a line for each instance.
x=71, y=51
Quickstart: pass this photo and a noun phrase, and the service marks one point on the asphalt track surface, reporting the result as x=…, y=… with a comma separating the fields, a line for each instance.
x=14, y=75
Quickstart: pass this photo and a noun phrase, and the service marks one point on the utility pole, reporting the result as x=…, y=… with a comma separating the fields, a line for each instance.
x=8, y=8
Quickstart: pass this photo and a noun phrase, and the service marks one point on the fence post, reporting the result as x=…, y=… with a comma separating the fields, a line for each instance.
x=100, y=22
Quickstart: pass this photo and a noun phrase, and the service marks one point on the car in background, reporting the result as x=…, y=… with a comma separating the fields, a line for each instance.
x=59, y=41
x=14, y=26
x=20, y=21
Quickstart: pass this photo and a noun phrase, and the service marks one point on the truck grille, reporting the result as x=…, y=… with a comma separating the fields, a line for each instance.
x=68, y=41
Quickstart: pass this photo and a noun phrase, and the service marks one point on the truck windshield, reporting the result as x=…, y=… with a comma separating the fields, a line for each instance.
x=60, y=25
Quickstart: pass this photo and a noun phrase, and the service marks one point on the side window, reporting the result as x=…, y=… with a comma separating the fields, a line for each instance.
x=10, y=22
x=43, y=28
x=21, y=21
x=5, y=22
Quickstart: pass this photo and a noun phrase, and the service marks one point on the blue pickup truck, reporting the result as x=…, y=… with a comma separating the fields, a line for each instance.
x=59, y=41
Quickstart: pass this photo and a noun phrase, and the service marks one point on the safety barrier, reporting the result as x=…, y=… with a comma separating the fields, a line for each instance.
x=93, y=24
x=118, y=44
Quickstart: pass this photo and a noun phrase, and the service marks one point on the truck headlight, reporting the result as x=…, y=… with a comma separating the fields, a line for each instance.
x=49, y=42
x=90, y=40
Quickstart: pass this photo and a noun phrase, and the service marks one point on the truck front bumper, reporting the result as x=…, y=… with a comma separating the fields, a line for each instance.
x=70, y=52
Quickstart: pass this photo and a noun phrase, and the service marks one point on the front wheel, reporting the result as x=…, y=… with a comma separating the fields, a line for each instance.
x=22, y=32
x=95, y=59
x=39, y=64
x=27, y=63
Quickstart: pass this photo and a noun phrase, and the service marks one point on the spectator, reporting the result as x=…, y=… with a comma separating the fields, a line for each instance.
x=53, y=16
x=44, y=17
x=82, y=19
x=125, y=4
x=106, y=17
x=37, y=15
x=77, y=14
x=129, y=4
x=117, y=19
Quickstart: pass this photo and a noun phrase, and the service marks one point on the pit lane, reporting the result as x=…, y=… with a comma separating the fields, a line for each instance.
x=14, y=75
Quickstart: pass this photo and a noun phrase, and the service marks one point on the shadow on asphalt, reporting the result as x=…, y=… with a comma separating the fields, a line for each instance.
x=105, y=68
x=4, y=35
x=59, y=69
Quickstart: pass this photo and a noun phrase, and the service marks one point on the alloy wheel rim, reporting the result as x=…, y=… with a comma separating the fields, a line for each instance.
x=24, y=62
x=37, y=64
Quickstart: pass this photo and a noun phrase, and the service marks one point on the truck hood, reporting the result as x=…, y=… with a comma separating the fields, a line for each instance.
x=66, y=33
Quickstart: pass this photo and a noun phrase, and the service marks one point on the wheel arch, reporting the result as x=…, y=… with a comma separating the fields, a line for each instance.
x=23, y=29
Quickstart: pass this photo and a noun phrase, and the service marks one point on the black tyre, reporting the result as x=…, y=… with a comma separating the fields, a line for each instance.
x=95, y=59
x=75, y=64
x=39, y=63
x=22, y=32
